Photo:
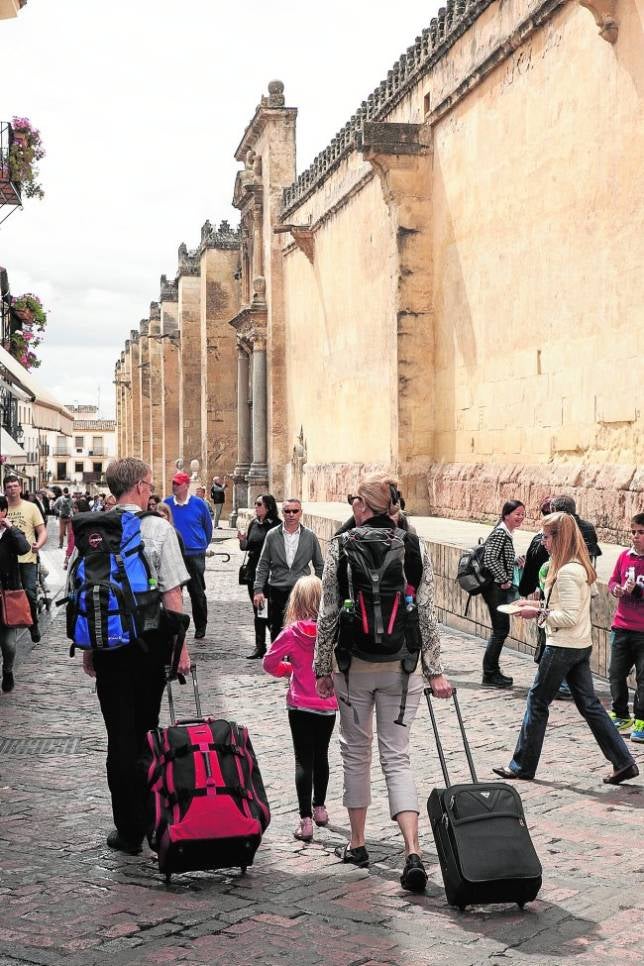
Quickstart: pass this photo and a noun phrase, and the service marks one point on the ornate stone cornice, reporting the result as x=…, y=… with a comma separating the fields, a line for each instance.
x=187, y=262
x=433, y=44
x=269, y=107
x=224, y=238
x=604, y=13
x=250, y=324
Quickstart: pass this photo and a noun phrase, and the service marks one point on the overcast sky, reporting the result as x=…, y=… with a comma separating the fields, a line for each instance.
x=141, y=104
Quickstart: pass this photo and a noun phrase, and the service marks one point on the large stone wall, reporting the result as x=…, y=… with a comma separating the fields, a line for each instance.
x=478, y=221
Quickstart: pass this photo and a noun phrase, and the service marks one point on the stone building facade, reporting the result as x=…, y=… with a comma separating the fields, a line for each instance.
x=451, y=291
x=176, y=391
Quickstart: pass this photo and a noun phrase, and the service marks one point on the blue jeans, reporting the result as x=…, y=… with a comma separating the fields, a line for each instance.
x=573, y=664
x=29, y=578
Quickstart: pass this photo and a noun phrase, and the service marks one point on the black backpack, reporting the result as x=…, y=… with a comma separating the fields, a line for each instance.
x=378, y=621
x=472, y=575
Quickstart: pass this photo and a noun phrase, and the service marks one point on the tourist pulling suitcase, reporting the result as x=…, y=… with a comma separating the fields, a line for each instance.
x=207, y=799
x=483, y=843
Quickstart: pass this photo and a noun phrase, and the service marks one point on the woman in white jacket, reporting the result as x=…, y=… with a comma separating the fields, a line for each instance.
x=566, y=619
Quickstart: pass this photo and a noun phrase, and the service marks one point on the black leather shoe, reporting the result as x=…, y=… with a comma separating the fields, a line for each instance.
x=358, y=856
x=497, y=680
x=414, y=877
x=255, y=656
x=200, y=634
x=8, y=682
x=119, y=844
x=34, y=630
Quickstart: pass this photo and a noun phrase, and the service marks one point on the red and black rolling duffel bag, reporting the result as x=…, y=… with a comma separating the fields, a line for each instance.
x=207, y=800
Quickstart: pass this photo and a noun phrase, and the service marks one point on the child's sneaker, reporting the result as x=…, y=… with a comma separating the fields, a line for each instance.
x=304, y=831
x=623, y=725
x=320, y=815
x=637, y=734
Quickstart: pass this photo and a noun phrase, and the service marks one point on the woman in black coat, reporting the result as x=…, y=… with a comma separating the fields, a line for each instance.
x=266, y=517
x=499, y=558
x=13, y=543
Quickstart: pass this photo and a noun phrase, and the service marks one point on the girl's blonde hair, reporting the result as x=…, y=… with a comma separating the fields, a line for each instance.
x=380, y=493
x=567, y=544
x=304, y=602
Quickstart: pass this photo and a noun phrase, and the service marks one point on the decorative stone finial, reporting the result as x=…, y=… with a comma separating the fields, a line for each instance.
x=276, y=94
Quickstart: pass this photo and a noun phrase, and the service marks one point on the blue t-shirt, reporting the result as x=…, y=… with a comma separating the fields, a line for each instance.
x=192, y=520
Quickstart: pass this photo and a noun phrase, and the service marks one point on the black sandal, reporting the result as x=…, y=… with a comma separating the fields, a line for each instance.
x=631, y=771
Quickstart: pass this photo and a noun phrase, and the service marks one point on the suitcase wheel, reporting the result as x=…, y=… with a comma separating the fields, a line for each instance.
x=168, y=877
x=521, y=905
x=243, y=869
x=462, y=908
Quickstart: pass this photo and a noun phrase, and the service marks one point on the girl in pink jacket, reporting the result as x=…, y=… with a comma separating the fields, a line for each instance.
x=310, y=717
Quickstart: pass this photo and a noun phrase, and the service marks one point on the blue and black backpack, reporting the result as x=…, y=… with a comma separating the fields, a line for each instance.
x=113, y=597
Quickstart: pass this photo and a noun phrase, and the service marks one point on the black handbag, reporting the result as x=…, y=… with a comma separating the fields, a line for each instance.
x=244, y=571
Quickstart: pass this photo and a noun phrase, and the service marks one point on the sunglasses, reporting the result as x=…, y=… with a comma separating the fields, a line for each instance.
x=292, y=512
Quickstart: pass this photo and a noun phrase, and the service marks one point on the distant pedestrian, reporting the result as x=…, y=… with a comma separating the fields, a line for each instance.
x=566, y=618
x=499, y=559
x=109, y=502
x=311, y=718
x=286, y=556
x=266, y=518
x=63, y=510
x=627, y=649
x=153, y=502
x=12, y=543
x=28, y=518
x=218, y=496
x=192, y=520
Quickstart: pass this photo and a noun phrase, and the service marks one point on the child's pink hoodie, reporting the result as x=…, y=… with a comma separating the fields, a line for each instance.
x=297, y=642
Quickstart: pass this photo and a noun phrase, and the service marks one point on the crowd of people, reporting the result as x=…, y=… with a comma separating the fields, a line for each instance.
x=354, y=632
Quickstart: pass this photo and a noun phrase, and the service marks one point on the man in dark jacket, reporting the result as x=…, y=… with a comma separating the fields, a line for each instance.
x=286, y=556
x=566, y=504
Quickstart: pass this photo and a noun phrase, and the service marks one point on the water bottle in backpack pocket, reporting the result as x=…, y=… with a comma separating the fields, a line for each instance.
x=113, y=598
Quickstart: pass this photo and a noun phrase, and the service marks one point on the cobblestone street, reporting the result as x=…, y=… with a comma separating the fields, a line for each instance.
x=67, y=898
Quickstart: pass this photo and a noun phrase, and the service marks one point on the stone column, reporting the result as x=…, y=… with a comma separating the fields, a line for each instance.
x=240, y=477
x=258, y=474
x=144, y=384
x=156, y=405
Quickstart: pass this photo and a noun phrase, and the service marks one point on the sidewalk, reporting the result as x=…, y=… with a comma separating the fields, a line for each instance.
x=66, y=898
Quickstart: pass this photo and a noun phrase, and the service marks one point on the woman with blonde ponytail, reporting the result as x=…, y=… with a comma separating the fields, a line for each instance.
x=566, y=619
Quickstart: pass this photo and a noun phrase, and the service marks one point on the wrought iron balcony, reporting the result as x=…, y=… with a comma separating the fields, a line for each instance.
x=10, y=194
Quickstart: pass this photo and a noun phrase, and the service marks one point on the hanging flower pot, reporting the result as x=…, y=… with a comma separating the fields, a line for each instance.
x=25, y=152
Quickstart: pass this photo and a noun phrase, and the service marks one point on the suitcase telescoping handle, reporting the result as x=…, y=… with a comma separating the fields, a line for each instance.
x=439, y=746
x=195, y=688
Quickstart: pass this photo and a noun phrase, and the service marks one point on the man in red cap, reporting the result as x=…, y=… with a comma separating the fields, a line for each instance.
x=192, y=519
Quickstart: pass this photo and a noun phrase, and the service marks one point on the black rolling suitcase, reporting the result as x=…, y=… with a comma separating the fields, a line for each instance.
x=483, y=843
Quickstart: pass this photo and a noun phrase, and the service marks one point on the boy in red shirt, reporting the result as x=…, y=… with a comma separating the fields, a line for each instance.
x=627, y=584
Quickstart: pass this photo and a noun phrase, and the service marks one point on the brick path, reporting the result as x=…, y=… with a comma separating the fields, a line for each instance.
x=66, y=898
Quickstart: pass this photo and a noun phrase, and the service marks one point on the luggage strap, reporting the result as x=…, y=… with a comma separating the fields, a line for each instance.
x=174, y=798
x=185, y=750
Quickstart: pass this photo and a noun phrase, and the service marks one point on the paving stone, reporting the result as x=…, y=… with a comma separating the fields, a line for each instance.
x=66, y=897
